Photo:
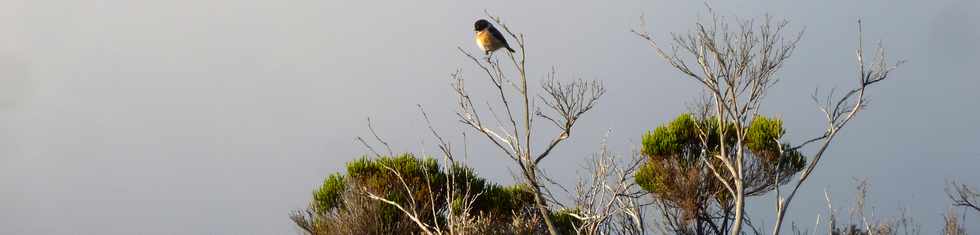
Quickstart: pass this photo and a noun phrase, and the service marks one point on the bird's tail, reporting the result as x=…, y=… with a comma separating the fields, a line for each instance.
x=510, y=49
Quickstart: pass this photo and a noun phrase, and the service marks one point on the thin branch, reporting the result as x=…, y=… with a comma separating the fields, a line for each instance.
x=963, y=195
x=844, y=109
x=367, y=146
x=376, y=137
x=444, y=146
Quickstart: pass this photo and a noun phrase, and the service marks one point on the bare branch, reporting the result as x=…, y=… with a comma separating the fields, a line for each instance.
x=412, y=216
x=367, y=146
x=378, y=138
x=515, y=139
x=844, y=109
x=605, y=195
x=963, y=195
x=444, y=146
x=569, y=101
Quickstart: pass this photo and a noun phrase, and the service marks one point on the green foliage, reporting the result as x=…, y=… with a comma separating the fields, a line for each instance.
x=504, y=200
x=379, y=176
x=329, y=194
x=681, y=138
x=646, y=176
x=377, y=173
x=425, y=180
x=564, y=221
x=763, y=133
x=672, y=138
x=680, y=154
x=406, y=164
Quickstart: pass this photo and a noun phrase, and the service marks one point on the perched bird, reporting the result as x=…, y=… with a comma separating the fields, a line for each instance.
x=488, y=38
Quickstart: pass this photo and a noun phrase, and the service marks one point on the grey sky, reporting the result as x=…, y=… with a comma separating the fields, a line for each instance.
x=220, y=117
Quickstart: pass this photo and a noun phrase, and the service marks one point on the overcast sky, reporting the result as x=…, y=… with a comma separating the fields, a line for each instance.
x=222, y=116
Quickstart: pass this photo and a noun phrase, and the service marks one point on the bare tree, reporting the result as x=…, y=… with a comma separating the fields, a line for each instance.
x=963, y=195
x=565, y=103
x=607, y=199
x=735, y=65
x=838, y=111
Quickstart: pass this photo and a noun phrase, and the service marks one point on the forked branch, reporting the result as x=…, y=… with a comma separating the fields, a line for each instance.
x=838, y=113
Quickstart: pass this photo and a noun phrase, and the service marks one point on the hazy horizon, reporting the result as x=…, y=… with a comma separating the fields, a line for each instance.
x=221, y=117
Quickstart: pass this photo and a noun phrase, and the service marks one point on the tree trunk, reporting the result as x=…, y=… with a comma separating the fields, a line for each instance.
x=739, y=208
x=539, y=202
x=780, y=211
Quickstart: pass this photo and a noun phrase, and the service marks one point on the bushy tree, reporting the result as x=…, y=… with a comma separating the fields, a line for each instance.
x=678, y=169
x=343, y=204
x=564, y=104
x=736, y=62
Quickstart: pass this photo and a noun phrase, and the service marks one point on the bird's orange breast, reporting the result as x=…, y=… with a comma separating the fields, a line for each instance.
x=485, y=41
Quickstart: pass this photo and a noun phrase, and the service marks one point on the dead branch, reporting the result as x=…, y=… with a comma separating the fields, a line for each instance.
x=963, y=195
x=838, y=113
x=567, y=103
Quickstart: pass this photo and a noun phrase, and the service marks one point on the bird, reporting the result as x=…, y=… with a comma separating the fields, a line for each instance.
x=488, y=38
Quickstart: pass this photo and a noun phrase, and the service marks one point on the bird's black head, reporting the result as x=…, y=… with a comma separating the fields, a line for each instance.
x=481, y=25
